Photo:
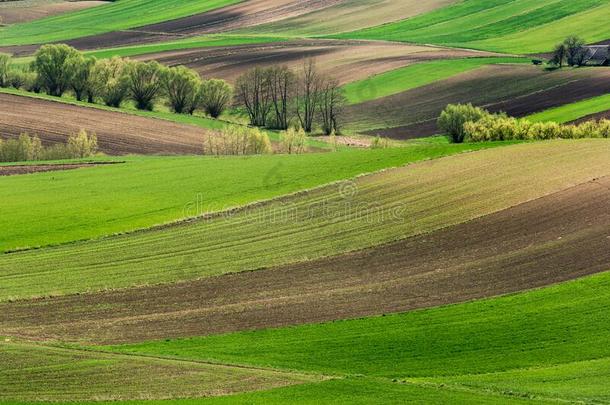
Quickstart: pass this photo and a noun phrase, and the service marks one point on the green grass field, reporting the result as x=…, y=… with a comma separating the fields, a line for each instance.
x=573, y=111
x=383, y=207
x=146, y=191
x=410, y=77
x=516, y=26
x=543, y=343
x=119, y=15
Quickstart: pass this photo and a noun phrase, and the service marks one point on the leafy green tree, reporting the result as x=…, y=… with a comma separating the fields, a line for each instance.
x=81, y=81
x=181, y=86
x=109, y=81
x=559, y=55
x=453, y=118
x=5, y=65
x=575, y=50
x=144, y=82
x=54, y=65
x=216, y=96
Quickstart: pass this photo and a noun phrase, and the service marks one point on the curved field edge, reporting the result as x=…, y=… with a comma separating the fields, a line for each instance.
x=548, y=327
x=566, y=238
x=372, y=210
x=119, y=15
x=413, y=76
x=145, y=192
x=573, y=111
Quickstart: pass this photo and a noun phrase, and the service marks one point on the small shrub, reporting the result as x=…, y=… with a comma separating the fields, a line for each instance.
x=235, y=140
x=453, y=118
x=82, y=145
x=293, y=141
x=380, y=143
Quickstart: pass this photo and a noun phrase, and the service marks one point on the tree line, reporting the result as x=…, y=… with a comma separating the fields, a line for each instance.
x=57, y=69
x=277, y=97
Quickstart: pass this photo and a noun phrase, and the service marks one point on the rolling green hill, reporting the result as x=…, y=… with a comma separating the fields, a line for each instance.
x=514, y=26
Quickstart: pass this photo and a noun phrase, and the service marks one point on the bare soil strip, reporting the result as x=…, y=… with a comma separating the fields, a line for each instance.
x=346, y=60
x=117, y=133
x=516, y=90
x=593, y=117
x=553, y=239
x=15, y=170
x=16, y=12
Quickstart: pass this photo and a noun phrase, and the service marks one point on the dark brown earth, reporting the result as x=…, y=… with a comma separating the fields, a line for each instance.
x=15, y=170
x=347, y=60
x=117, y=133
x=553, y=239
x=532, y=90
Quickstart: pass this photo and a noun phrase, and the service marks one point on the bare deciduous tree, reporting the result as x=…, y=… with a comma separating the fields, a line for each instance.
x=332, y=101
x=252, y=92
x=282, y=87
x=308, y=94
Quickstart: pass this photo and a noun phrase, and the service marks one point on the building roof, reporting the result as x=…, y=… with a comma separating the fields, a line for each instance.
x=597, y=54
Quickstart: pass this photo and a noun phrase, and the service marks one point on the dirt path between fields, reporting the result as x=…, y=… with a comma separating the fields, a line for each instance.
x=15, y=170
x=553, y=239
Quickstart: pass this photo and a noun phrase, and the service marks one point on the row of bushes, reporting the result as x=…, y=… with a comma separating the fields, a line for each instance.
x=237, y=140
x=503, y=128
x=465, y=122
x=26, y=148
x=57, y=69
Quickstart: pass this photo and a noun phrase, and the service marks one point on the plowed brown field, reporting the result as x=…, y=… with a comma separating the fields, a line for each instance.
x=117, y=133
x=549, y=240
x=347, y=60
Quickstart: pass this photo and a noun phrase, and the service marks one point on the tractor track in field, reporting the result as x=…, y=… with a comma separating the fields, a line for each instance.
x=548, y=240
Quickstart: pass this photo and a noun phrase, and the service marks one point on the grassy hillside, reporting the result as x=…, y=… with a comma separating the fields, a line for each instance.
x=33, y=372
x=544, y=329
x=371, y=210
x=92, y=202
x=516, y=26
x=573, y=111
x=118, y=15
